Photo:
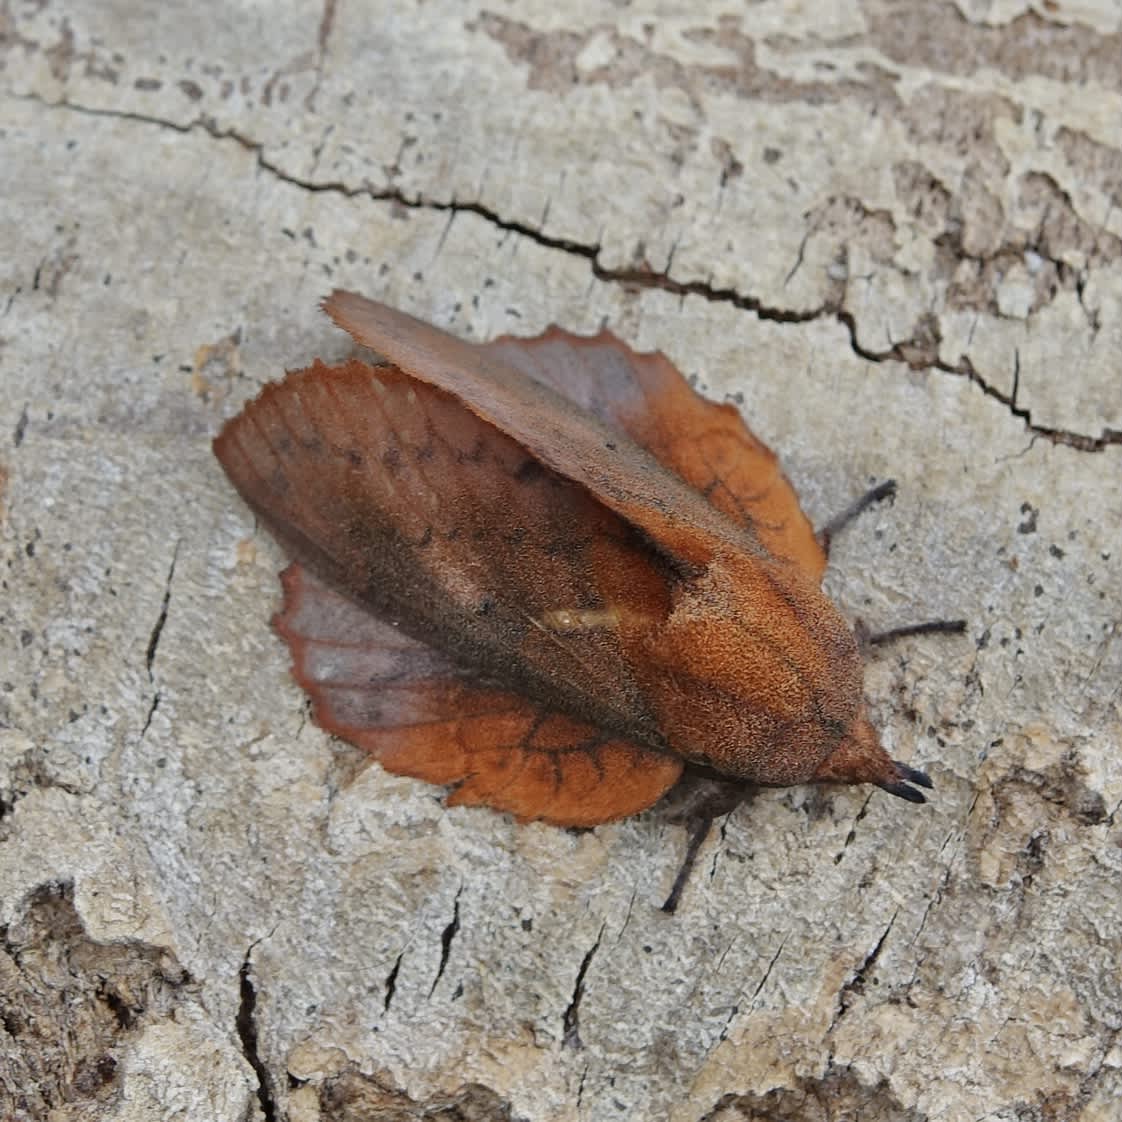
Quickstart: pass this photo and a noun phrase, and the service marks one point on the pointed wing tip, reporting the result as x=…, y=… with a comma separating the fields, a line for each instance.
x=221, y=440
x=226, y=444
x=340, y=303
x=337, y=296
x=241, y=445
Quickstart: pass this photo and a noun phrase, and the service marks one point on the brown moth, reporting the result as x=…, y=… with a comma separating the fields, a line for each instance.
x=547, y=573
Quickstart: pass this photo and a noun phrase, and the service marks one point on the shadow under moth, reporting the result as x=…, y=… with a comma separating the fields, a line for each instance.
x=548, y=574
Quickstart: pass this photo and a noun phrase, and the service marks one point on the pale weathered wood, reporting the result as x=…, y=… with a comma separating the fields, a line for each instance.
x=888, y=230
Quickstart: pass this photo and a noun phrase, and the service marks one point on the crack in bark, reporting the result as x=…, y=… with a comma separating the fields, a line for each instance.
x=938, y=895
x=21, y=427
x=390, y=985
x=723, y=1036
x=154, y=641
x=856, y=983
x=580, y=1089
x=627, y=918
x=851, y=837
x=936, y=899
x=153, y=706
x=446, y=937
x=916, y=353
x=570, y=1022
x=161, y=619
x=246, y=1024
x=920, y=357
x=719, y=848
x=770, y=967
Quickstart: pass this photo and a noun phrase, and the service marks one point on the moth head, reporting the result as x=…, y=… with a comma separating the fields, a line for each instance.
x=860, y=758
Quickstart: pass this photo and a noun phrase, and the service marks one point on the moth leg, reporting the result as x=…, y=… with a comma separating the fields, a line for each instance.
x=696, y=801
x=882, y=491
x=867, y=639
x=698, y=831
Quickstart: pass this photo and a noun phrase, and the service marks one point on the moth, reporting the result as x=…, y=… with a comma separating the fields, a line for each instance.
x=547, y=574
